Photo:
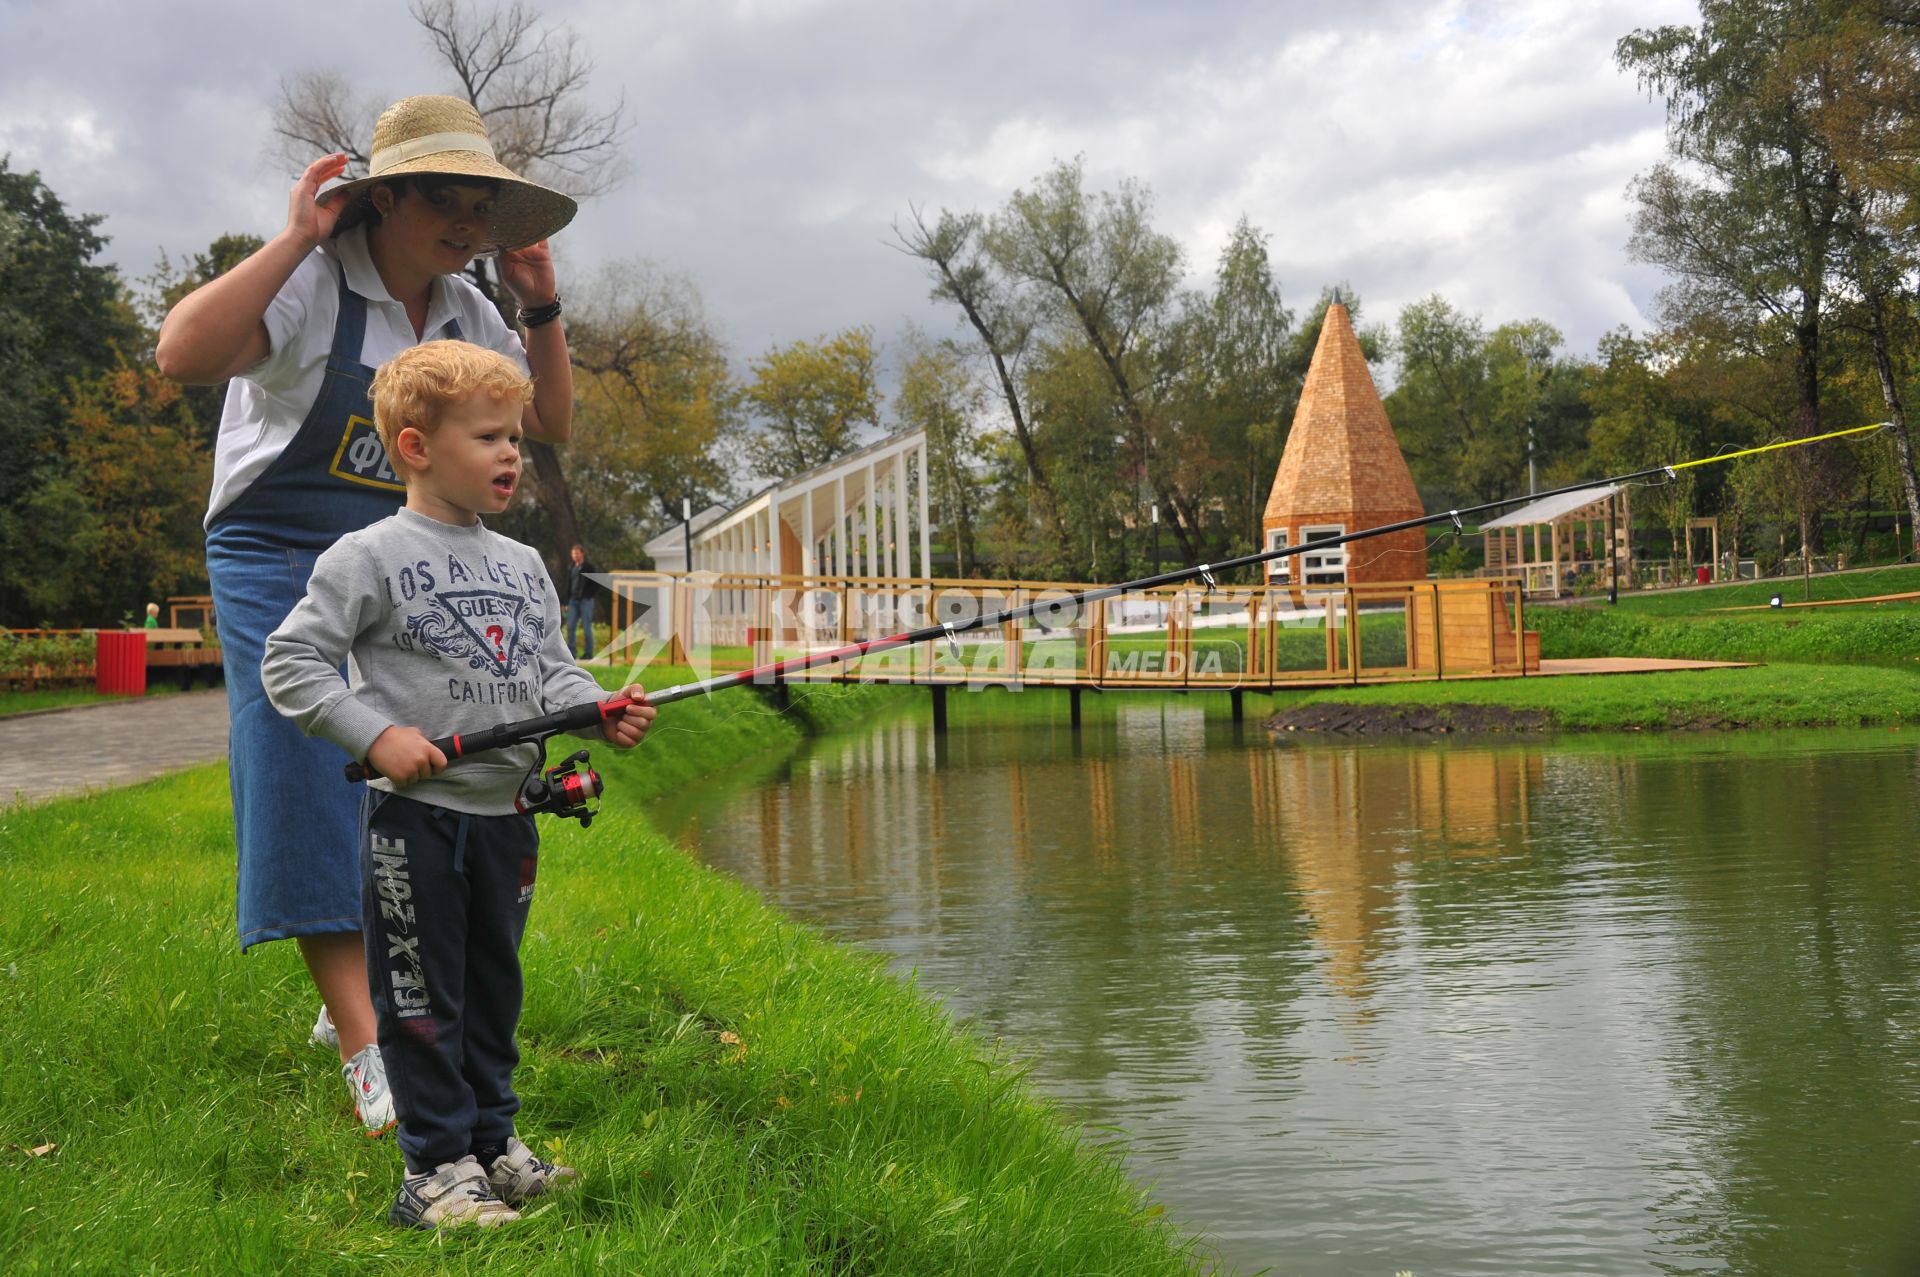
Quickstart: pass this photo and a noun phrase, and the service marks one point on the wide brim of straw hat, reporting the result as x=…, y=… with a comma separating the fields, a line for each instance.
x=444, y=137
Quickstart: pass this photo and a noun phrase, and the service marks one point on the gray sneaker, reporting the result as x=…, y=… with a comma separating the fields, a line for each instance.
x=366, y=1073
x=324, y=1034
x=517, y=1176
x=455, y=1193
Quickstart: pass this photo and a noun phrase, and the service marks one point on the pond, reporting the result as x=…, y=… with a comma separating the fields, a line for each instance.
x=1591, y=1004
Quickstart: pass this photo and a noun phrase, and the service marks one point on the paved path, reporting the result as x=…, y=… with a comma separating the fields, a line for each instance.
x=94, y=746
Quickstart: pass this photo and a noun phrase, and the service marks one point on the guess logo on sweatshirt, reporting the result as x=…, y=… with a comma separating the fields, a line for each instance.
x=490, y=630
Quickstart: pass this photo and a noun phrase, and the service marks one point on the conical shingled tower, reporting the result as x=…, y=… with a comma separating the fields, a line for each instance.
x=1343, y=470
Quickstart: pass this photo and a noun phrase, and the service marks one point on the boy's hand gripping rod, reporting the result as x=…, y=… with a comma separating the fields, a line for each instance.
x=461, y=744
x=590, y=713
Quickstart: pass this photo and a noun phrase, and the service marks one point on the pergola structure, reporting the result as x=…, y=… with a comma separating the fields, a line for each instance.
x=864, y=515
x=1574, y=527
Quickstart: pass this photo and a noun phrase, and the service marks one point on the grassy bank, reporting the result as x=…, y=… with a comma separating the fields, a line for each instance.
x=741, y=1096
x=1768, y=696
x=1887, y=635
x=1851, y=666
x=1699, y=625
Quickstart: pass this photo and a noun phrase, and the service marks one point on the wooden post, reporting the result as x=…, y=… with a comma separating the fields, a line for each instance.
x=1073, y=700
x=939, y=691
x=1239, y=709
x=1333, y=644
x=1520, y=629
x=1353, y=636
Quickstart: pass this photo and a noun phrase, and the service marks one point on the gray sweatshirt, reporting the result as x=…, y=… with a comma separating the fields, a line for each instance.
x=444, y=628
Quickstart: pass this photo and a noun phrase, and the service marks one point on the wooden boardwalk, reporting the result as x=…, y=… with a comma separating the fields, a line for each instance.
x=1290, y=683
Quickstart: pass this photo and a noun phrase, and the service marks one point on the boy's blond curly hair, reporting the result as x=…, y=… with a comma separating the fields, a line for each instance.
x=418, y=385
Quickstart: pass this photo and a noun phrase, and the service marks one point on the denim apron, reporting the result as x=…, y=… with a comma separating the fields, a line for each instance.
x=296, y=819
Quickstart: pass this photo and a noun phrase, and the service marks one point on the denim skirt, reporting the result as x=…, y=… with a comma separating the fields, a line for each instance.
x=296, y=820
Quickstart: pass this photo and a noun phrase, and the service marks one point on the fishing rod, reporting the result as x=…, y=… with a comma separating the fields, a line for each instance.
x=591, y=713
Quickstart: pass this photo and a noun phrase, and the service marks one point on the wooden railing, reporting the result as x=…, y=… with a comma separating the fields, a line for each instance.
x=1178, y=636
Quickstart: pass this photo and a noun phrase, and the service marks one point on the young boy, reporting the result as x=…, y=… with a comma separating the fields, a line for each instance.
x=445, y=627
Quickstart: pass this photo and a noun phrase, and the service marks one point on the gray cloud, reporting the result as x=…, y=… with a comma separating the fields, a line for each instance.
x=1479, y=150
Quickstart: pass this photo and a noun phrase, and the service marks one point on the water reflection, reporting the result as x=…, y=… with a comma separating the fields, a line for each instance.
x=1593, y=1007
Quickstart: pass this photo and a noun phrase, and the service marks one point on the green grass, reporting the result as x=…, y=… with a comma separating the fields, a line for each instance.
x=1767, y=696
x=1698, y=625
x=49, y=698
x=741, y=1096
x=1878, y=634
x=66, y=698
x=1897, y=579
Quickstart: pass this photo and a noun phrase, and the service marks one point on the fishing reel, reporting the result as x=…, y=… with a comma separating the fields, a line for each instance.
x=563, y=790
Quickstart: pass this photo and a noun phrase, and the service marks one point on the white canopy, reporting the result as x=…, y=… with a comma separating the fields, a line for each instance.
x=1547, y=509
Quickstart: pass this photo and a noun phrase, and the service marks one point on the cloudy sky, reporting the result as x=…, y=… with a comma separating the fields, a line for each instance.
x=1476, y=149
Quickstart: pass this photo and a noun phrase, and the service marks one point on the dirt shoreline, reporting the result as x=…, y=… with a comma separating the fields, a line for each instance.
x=1334, y=719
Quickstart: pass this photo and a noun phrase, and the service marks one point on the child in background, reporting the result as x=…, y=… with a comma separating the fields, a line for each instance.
x=153, y=617
x=447, y=626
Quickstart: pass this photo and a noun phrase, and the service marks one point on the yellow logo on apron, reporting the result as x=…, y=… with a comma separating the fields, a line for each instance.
x=362, y=459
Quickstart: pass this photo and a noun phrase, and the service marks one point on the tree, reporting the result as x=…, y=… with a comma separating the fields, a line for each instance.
x=1004, y=321
x=811, y=400
x=1470, y=404
x=656, y=409
x=1082, y=429
x=1237, y=372
x=1103, y=274
x=529, y=83
x=1750, y=218
x=167, y=285
x=64, y=320
x=1871, y=125
x=1636, y=424
x=118, y=522
x=940, y=394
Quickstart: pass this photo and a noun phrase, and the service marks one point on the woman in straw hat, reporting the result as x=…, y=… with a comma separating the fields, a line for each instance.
x=360, y=273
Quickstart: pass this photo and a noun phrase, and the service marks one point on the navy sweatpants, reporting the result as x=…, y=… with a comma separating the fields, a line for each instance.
x=445, y=898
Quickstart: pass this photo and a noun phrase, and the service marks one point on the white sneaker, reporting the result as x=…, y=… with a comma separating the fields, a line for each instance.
x=456, y=1193
x=324, y=1034
x=366, y=1073
x=517, y=1175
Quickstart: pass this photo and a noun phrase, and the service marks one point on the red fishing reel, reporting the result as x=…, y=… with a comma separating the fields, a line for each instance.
x=564, y=790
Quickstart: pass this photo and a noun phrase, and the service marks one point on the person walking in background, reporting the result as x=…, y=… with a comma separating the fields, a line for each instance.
x=580, y=601
x=360, y=273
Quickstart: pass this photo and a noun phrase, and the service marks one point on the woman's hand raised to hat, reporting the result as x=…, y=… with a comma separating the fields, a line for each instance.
x=310, y=221
x=528, y=274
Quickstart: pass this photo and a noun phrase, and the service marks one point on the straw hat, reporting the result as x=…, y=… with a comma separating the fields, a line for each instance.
x=446, y=137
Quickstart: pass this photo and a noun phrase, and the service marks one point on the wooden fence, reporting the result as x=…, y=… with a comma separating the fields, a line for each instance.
x=1179, y=636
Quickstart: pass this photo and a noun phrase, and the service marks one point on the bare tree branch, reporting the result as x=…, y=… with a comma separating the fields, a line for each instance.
x=317, y=114
x=528, y=81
